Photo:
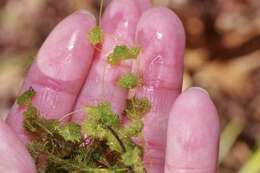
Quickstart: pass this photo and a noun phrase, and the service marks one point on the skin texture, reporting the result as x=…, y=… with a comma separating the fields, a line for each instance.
x=14, y=156
x=69, y=73
x=193, y=133
x=59, y=70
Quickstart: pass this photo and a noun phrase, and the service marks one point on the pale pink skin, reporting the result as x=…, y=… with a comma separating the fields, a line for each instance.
x=14, y=156
x=193, y=134
x=179, y=136
x=59, y=70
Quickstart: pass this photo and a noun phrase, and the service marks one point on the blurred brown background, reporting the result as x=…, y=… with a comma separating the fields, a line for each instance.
x=222, y=55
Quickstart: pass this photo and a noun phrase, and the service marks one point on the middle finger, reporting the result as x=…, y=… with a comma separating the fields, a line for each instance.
x=119, y=26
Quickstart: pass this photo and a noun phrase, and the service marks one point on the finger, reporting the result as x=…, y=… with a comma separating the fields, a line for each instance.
x=119, y=25
x=193, y=134
x=14, y=156
x=161, y=36
x=143, y=4
x=59, y=70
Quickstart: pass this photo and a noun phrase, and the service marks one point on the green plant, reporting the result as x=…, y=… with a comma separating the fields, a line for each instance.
x=102, y=144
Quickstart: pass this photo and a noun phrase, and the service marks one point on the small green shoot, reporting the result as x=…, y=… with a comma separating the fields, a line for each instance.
x=122, y=52
x=132, y=158
x=128, y=81
x=26, y=98
x=71, y=132
x=96, y=36
x=137, y=107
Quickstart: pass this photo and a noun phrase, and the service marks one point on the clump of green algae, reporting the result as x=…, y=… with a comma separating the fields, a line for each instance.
x=95, y=36
x=100, y=144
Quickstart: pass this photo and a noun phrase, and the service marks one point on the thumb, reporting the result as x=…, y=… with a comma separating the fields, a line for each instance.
x=13, y=154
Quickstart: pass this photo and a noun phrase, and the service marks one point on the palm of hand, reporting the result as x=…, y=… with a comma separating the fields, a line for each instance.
x=179, y=137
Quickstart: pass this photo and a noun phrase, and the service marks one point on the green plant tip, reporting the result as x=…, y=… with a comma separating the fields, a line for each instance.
x=137, y=107
x=102, y=113
x=96, y=36
x=71, y=132
x=128, y=81
x=122, y=52
x=26, y=98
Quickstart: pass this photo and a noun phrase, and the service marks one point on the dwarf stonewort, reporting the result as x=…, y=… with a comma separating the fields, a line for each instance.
x=102, y=143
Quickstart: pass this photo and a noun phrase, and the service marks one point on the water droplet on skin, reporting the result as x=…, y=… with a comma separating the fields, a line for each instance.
x=126, y=23
x=72, y=41
x=61, y=60
x=159, y=35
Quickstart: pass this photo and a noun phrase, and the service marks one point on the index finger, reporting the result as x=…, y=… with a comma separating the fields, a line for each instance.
x=59, y=71
x=119, y=25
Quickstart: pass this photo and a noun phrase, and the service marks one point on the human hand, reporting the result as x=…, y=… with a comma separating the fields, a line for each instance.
x=180, y=135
